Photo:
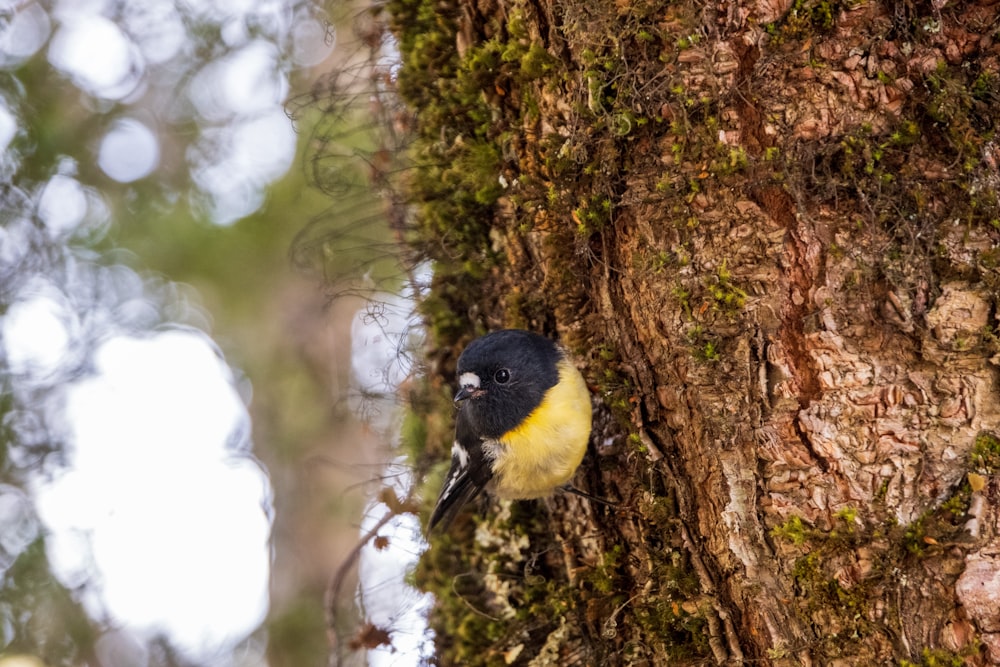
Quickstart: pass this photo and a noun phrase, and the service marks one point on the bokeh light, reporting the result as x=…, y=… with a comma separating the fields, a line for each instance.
x=129, y=151
x=97, y=55
x=62, y=205
x=158, y=477
x=23, y=34
x=37, y=333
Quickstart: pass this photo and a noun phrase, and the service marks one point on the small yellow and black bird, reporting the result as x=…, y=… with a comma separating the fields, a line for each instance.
x=523, y=422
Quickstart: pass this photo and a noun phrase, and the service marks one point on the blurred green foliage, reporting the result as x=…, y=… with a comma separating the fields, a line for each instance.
x=304, y=236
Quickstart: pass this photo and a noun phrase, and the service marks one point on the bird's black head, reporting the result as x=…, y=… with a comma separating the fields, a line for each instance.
x=502, y=377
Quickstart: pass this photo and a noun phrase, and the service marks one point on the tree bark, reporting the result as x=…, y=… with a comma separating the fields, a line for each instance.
x=769, y=232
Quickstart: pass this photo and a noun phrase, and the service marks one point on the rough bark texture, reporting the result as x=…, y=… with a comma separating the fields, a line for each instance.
x=769, y=232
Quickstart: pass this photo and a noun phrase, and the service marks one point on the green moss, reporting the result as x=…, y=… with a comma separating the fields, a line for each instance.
x=443, y=307
x=674, y=632
x=671, y=618
x=848, y=515
x=958, y=503
x=604, y=579
x=804, y=19
x=709, y=352
x=727, y=296
x=939, y=657
x=792, y=530
x=536, y=62
x=730, y=160
x=906, y=134
x=986, y=452
x=476, y=169
x=941, y=524
x=683, y=296
x=592, y=215
x=915, y=535
x=467, y=632
x=521, y=309
x=818, y=589
x=991, y=340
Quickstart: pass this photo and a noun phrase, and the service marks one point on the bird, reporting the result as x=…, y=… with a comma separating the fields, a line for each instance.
x=522, y=425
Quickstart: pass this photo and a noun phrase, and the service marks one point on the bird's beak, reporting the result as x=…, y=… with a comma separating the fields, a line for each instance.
x=468, y=391
x=463, y=394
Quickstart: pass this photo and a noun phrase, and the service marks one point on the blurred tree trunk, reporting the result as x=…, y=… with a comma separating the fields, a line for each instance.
x=769, y=232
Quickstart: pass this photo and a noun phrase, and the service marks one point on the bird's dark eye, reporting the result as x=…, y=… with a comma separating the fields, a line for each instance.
x=502, y=376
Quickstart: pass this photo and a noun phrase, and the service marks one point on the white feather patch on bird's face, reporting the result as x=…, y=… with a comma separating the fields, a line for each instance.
x=470, y=383
x=469, y=380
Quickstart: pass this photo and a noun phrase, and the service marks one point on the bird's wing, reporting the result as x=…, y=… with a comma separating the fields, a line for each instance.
x=469, y=474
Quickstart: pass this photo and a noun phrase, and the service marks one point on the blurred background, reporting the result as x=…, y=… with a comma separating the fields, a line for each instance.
x=203, y=319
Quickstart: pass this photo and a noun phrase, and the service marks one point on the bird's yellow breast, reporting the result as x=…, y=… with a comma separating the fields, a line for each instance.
x=544, y=451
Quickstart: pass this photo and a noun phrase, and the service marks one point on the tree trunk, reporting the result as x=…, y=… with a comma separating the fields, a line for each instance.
x=769, y=232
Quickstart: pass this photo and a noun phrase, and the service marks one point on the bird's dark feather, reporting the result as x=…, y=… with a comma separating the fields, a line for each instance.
x=463, y=483
x=447, y=508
